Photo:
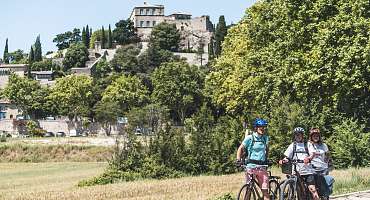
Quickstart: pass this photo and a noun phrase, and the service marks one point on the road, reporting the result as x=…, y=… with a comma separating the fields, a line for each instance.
x=354, y=196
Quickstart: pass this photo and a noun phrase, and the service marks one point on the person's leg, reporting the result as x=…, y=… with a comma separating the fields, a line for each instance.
x=310, y=180
x=263, y=181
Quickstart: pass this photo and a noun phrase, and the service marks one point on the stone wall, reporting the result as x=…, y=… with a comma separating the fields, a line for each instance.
x=62, y=126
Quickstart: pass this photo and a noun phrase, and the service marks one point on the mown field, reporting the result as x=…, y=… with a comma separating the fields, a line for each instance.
x=59, y=180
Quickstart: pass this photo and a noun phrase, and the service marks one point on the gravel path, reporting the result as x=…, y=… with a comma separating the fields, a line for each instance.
x=364, y=195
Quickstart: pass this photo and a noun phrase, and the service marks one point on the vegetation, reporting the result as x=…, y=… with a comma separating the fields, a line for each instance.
x=65, y=40
x=125, y=33
x=6, y=52
x=76, y=56
x=62, y=177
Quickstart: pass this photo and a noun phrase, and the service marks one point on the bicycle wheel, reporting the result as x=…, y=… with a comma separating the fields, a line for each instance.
x=274, y=189
x=288, y=191
x=247, y=192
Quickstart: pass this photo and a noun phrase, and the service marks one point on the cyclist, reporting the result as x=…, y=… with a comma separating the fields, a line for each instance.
x=255, y=146
x=298, y=150
x=319, y=154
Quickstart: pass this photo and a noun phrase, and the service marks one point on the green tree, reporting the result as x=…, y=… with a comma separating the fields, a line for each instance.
x=107, y=112
x=220, y=33
x=110, y=39
x=6, y=56
x=102, y=69
x=127, y=91
x=125, y=60
x=45, y=65
x=84, y=37
x=211, y=53
x=76, y=56
x=103, y=38
x=38, y=50
x=64, y=40
x=285, y=47
x=125, y=33
x=73, y=96
x=17, y=57
x=96, y=36
x=178, y=86
x=349, y=145
x=88, y=36
x=27, y=95
x=165, y=36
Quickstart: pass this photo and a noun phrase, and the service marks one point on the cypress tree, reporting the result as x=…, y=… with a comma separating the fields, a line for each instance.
x=220, y=34
x=110, y=44
x=31, y=56
x=103, y=40
x=38, y=51
x=84, y=37
x=211, y=54
x=6, y=53
x=30, y=62
x=88, y=35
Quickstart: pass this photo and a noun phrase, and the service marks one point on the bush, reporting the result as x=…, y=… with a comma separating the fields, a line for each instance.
x=350, y=145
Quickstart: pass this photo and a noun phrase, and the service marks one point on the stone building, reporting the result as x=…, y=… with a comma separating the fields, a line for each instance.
x=194, y=31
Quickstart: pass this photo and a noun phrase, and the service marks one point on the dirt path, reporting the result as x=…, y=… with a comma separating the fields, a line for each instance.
x=364, y=195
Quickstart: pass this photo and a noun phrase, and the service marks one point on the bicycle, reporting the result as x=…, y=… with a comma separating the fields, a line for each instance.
x=294, y=187
x=252, y=191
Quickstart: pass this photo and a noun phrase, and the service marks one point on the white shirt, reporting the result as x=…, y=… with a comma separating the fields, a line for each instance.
x=299, y=155
x=319, y=151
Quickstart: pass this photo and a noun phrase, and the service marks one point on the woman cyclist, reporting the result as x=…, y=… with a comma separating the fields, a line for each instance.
x=255, y=146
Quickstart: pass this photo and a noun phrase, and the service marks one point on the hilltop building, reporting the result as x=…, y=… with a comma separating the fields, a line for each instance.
x=193, y=30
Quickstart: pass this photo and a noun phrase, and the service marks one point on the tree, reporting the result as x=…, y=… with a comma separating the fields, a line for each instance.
x=165, y=36
x=76, y=56
x=153, y=57
x=211, y=53
x=220, y=33
x=27, y=95
x=109, y=42
x=88, y=35
x=45, y=65
x=103, y=39
x=96, y=36
x=349, y=145
x=64, y=40
x=125, y=33
x=178, y=86
x=73, y=96
x=6, y=56
x=107, y=112
x=17, y=56
x=125, y=60
x=38, y=50
x=84, y=37
x=127, y=91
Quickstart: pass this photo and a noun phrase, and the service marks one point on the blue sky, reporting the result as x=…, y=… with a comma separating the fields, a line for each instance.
x=22, y=20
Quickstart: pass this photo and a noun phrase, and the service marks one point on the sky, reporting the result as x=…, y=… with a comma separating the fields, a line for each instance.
x=22, y=20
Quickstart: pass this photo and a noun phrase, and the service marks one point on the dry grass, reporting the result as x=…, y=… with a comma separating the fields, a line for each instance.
x=58, y=181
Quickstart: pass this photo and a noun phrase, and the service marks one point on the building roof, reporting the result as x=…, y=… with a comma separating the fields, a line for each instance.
x=13, y=65
x=146, y=5
x=180, y=13
x=42, y=72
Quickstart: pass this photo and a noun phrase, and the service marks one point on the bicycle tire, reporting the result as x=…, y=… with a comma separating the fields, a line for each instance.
x=274, y=189
x=288, y=191
x=247, y=192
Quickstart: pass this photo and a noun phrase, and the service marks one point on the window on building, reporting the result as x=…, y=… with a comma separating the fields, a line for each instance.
x=154, y=11
x=141, y=12
x=154, y=22
x=147, y=11
x=147, y=23
x=141, y=23
x=151, y=11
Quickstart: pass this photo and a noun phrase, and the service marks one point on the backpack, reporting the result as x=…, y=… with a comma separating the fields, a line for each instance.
x=295, y=149
x=249, y=151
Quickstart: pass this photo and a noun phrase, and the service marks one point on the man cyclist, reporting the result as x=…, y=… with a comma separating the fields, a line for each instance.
x=255, y=146
x=298, y=150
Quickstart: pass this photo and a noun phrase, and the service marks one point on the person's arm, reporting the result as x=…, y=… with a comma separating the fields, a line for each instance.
x=240, y=152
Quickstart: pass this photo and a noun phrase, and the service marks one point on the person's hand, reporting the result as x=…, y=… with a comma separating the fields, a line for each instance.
x=283, y=161
x=306, y=160
x=238, y=162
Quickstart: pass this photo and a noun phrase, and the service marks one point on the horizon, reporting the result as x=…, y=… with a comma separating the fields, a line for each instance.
x=49, y=19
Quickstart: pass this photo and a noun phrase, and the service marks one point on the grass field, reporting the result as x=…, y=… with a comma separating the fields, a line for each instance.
x=59, y=180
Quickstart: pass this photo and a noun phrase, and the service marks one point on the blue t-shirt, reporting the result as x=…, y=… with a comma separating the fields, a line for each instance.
x=258, y=150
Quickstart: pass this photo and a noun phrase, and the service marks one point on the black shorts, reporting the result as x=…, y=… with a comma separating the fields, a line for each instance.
x=309, y=179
